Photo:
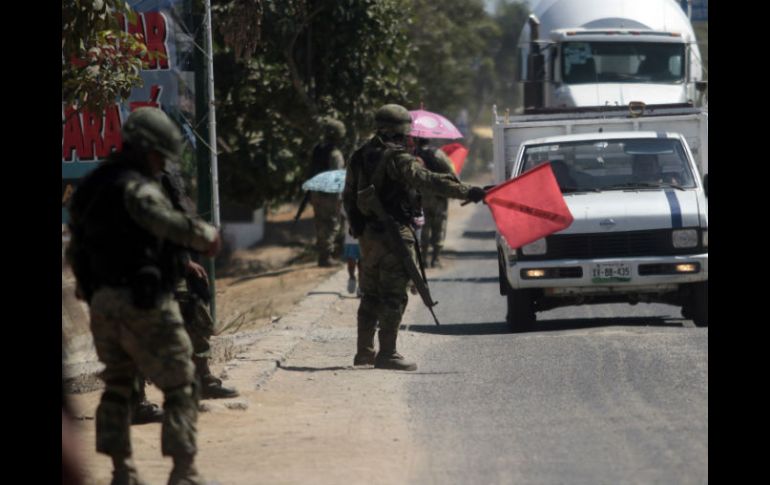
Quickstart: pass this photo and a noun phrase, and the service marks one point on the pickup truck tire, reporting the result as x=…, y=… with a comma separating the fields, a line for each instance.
x=521, y=316
x=503, y=277
x=697, y=304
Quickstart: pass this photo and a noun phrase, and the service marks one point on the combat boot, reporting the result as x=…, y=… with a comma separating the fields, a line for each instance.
x=124, y=472
x=185, y=472
x=143, y=411
x=364, y=359
x=211, y=387
x=435, y=261
x=388, y=357
x=146, y=412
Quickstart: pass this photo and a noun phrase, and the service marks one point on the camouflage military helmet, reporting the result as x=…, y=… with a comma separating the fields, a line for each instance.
x=333, y=127
x=394, y=119
x=148, y=129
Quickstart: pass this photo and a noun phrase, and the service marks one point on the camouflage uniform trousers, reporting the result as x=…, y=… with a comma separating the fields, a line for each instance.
x=436, y=211
x=327, y=221
x=383, y=282
x=153, y=342
x=197, y=321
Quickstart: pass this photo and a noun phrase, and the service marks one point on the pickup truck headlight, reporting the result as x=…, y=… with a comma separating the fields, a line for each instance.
x=705, y=238
x=685, y=238
x=535, y=248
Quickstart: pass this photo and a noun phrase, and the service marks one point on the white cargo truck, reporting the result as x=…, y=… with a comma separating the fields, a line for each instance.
x=578, y=53
x=636, y=185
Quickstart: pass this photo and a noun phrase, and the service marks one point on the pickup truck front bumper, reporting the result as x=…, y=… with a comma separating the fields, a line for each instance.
x=653, y=274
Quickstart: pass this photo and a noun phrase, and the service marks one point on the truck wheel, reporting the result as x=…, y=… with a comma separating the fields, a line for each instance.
x=501, y=271
x=699, y=304
x=520, y=316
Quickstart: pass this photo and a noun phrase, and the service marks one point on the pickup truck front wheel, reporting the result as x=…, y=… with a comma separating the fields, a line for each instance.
x=696, y=306
x=521, y=316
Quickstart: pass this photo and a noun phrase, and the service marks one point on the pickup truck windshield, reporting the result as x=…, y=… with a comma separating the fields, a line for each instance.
x=621, y=164
x=622, y=62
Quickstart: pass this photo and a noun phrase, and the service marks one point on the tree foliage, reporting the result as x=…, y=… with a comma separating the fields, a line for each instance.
x=454, y=43
x=100, y=62
x=315, y=58
x=281, y=65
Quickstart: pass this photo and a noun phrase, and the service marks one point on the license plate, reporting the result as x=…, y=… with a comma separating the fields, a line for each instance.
x=610, y=273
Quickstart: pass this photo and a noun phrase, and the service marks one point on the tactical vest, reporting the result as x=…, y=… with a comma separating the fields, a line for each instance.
x=369, y=166
x=115, y=247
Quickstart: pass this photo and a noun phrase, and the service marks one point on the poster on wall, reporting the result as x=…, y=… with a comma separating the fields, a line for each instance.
x=168, y=84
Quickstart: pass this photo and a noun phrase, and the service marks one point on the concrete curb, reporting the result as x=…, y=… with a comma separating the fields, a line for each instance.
x=257, y=355
x=266, y=348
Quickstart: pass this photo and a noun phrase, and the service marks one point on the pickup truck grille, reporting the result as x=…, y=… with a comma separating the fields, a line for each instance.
x=610, y=245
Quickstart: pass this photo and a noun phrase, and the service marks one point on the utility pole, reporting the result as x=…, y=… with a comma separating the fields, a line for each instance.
x=206, y=156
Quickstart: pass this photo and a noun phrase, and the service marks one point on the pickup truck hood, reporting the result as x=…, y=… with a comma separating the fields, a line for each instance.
x=632, y=210
x=601, y=94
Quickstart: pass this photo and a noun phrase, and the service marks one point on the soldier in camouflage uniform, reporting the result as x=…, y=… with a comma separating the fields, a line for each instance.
x=327, y=156
x=124, y=254
x=384, y=163
x=435, y=206
x=192, y=293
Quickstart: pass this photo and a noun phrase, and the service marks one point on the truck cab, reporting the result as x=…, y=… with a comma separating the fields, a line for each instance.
x=599, y=67
x=640, y=230
x=581, y=53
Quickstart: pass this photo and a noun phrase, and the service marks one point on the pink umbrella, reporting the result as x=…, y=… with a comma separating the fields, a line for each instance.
x=432, y=125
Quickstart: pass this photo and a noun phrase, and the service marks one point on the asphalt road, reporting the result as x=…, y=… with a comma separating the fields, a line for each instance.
x=595, y=394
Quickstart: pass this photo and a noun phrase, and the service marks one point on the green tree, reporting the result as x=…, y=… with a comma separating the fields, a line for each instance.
x=100, y=62
x=313, y=58
x=454, y=42
x=280, y=65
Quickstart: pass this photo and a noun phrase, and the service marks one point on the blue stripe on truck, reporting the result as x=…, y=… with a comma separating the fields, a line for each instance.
x=676, y=209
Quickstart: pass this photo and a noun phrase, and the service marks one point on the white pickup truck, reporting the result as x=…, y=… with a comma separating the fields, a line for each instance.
x=640, y=207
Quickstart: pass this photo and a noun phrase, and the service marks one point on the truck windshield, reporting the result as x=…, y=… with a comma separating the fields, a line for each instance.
x=594, y=165
x=619, y=62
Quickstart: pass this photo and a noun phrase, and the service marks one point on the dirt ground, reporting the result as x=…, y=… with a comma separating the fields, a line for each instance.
x=260, y=284
x=318, y=420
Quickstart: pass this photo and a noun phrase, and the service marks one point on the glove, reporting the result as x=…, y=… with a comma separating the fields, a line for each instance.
x=476, y=194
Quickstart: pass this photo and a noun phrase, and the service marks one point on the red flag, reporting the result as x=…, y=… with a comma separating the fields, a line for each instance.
x=457, y=153
x=529, y=207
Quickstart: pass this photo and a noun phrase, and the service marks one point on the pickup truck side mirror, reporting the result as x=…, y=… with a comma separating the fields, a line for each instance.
x=706, y=184
x=701, y=86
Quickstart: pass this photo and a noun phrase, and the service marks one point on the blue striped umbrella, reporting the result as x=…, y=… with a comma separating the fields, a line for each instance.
x=332, y=182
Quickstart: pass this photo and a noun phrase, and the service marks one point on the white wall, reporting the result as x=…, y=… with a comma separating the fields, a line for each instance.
x=240, y=235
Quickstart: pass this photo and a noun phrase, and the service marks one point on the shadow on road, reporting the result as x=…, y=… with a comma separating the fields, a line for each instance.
x=483, y=279
x=315, y=369
x=479, y=234
x=548, y=325
x=449, y=254
x=582, y=323
x=338, y=293
x=461, y=328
